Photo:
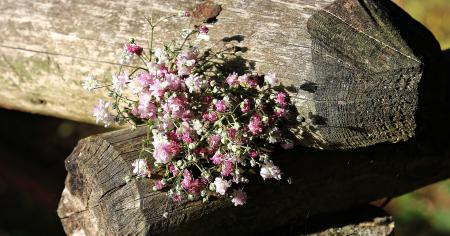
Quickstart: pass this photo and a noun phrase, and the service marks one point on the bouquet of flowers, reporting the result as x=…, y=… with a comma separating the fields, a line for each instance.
x=206, y=130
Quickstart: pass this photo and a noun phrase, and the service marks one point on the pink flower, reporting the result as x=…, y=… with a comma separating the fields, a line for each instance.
x=176, y=106
x=157, y=89
x=157, y=70
x=197, y=185
x=245, y=106
x=217, y=158
x=214, y=141
x=119, y=82
x=145, y=79
x=145, y=108
x=186, y=137
x=187, y=179
x=207, y=100
x=279, y=112
x=232, y=79
x=221, y=185
x=232, y=133
x=239, y=198
x=211, y=117
x=174, y=82
x=227, y=168
x=186, y=62
x=253, y=154
x=184, y=13
x=134, y=49
x=269, y=171
x=256, y=125
x=172, y=135
x=102, y=113
x=176, y=197
x=158, y=185
x=173, y=169
x=203, y=29
x=164, y=152
x=280, y=98
x=254, y=81
x=191, y=184
x=187, y=115
x=244, y=79
x=221, y=106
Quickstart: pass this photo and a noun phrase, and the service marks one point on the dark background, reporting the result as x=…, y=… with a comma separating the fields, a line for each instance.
x=32, y=153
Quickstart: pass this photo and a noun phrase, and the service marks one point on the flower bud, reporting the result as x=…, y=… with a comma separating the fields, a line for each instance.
x=212, y=187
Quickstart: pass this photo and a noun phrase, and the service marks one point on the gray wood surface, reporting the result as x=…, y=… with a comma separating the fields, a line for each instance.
x=354, y=68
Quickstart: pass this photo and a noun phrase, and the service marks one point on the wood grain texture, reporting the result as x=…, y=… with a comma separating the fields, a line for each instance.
x=354, y=67
x=383, y=226
x=96, y=200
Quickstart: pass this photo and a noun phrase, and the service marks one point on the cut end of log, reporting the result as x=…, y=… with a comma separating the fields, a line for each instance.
x=371, y=74
x=75, y=215
x=97, y=199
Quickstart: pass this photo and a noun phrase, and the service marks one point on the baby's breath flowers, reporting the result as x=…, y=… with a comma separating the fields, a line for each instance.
x=207, y=131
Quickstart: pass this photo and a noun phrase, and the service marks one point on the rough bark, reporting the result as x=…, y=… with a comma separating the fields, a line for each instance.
x=355, y=67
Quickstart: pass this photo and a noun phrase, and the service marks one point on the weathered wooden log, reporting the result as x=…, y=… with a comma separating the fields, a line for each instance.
x=363, y=220
x=355, y=67
x=378, y=226
x=97, y=201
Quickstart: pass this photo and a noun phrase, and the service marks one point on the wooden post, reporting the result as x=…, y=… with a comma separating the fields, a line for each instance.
x=96, y=199
x=354, y=68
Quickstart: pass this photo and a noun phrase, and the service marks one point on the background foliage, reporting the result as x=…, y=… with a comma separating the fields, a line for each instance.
x=427, y=211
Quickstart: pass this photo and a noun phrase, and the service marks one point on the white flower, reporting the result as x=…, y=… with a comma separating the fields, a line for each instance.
x=239, y=198
x=124, y=57
x=271, y=79
x=221, y=185
x=269, y=171
x=161, y=55
x=102, y=113
x=141, y=168
x=203, y=37
x=159, y=138
x=197, y=126
x=89, y=83
x=272, y=139
x=119, y=82
x=135, y=86
x=194, y=83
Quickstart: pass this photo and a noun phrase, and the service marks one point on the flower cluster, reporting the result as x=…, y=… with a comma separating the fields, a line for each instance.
x=207, y=130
